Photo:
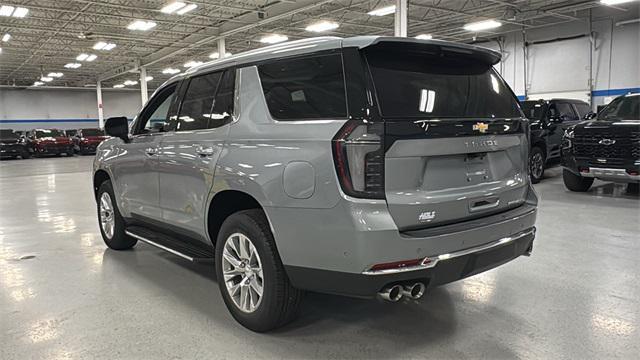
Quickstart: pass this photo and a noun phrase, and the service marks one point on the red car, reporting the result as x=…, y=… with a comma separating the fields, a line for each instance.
x=85, y=141
x=49, y=142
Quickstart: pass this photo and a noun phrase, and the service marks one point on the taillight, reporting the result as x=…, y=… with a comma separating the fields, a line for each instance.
x=358, y=153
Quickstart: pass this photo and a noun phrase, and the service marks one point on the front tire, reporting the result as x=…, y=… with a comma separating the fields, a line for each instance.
x=25, y=154
x=575, y=182
x=111, y=222
x=537, y=162
x=250, y=274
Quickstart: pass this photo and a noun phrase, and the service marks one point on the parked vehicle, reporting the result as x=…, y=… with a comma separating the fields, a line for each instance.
x=607, y=148
x=301, y=166
x=49, y=142
x=85, y=141
x=12, y=146
x=549, y=119
x=71, y=132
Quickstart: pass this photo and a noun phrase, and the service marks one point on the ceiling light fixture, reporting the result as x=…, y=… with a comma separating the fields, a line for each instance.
x=91, y=57
x=19, y=12
x=482, y=25
x=46, y=79
x=118, y=86
x=130, y=82
x=383, y=11
x=6, y=10
x=172, y=7
x=72, y=65
x=55, y=74
x=148, y=78
x=82, y=57
x=615, y=2
x=186, y=9
x=424, y=37
x=322, y=26
x=273, y=39
x=101, y=45
x=190, y=64
x=6, y=37
x=141, y=25
x=170, y=71
x=38, y=83
x=216, y=55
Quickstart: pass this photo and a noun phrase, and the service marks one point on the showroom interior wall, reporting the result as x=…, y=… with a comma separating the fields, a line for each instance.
x=22, y=109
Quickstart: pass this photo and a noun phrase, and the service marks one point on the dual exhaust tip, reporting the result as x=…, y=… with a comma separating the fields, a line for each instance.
x=395, y=292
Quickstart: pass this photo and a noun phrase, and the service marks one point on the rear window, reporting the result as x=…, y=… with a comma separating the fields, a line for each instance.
x=423, y=85
x=305, y=88
x=533, y=110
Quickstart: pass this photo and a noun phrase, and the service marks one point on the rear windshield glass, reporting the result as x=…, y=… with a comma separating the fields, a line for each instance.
x=533, y=110
x=92, y=132
x=424, y=85
x=622, y=108
x=49, y=133
x=8, y=134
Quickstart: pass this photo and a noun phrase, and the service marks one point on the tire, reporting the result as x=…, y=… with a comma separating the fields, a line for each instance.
x=25, y=154
x=633, y=188
x=114, y=238
x=69, y=152
x=280, y=301
x=537, y=161
x=575, y=182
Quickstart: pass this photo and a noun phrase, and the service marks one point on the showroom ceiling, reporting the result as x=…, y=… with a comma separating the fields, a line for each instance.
x=54, y=33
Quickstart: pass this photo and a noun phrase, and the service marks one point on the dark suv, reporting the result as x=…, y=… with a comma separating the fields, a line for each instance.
x=549, y=119
x=12, y=145
x=606, y=148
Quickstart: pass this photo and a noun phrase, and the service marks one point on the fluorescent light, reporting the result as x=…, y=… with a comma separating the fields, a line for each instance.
x=130, y=82
x=109, y=47
x=55, y=74
x=424, y=37
x=170, y=71
x=101, y=45
x=46, y=79
x=383, y=11
x=190, y=64
x=0, y=50
x=148, y=78
x=6, y=10
x=186, y=9
x=38, y=83
x=172, y=7
x=82, y=57
x=322, y=26
x=20, y=12
x=482, y=25
x=216, y=55
x=615, y=2
x=273, y=39
x=92, y=57
x=141, y=25
x=118, y=86
x=6, y=37
x=72, y=65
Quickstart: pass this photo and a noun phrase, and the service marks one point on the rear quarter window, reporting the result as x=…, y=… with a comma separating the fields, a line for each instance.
x=310, y=87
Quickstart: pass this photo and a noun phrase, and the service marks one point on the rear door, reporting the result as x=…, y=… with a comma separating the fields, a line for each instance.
x=454, y=136
x=190, y=151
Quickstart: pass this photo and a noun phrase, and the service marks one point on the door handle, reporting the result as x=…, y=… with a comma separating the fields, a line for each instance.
x=151, y=151
x=205, y=150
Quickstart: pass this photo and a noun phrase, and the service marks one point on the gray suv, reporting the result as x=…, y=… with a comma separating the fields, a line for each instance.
x=361, y=166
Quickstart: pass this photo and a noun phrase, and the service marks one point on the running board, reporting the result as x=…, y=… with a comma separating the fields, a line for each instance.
x=181, y=248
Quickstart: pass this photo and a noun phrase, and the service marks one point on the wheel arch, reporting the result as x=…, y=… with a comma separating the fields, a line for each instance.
x=224, y=204
x=99, y=177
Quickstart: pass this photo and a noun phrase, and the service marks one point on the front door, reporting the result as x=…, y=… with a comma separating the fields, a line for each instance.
x=188, y=153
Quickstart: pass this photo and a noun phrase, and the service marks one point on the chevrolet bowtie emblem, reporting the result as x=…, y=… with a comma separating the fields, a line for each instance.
x=482, y=127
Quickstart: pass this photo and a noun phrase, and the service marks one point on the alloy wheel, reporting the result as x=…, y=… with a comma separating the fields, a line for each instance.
x=107, y=219
x=242, y=270
x=537, y=165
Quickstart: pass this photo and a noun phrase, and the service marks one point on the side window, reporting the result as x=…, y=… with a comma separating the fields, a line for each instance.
x=566, y=110
x=305, y=88
x=198, y=101
x=156, y=111
x=222, y=111
x=583, y=109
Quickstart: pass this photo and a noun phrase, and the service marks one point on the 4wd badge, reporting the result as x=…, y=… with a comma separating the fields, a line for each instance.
x=427, y=216
x=482, y=127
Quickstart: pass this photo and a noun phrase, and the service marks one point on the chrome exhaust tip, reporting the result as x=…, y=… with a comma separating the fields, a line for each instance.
x=391, y=293
x=415, y=291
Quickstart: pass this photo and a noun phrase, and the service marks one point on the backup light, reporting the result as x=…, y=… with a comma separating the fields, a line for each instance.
x=273, y=39
x=55, y=74
x=322, y=26
x=615, y=2
x=72, y=65
x=170, y=71
x=383, y=11
x=424, y=37
x=172, y=7
x=190, y=64
x=141, y=25
x=482, y=25
x=186, y=9
x=216, y=55
x=6, y=37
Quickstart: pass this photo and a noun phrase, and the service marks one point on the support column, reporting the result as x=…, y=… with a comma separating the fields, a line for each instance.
x=144, y=93
x=100, y=109
x=400, y=23
x=221, y=48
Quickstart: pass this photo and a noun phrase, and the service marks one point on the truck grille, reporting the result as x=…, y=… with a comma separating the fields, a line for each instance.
x=607, y=145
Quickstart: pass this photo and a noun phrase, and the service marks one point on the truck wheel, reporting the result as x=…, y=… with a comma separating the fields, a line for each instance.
x=633, y=188
x=110, y=220
x=25, y=154
x=575, y=182
x=536, y=164
x=250, y=274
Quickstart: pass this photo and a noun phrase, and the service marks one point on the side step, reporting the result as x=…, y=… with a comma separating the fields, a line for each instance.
x=185, y=249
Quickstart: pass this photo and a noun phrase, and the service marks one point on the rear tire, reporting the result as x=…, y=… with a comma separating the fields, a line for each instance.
x=25, y=154
x=279, y=302
x=537, y=162
x=110, y=221
x=575, y=182
x=633, y=188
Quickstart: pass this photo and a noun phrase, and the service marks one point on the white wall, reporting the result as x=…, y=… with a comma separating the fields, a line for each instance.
x=22, y=109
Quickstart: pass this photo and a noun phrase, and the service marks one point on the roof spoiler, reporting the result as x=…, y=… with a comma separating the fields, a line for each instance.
x=483, y=54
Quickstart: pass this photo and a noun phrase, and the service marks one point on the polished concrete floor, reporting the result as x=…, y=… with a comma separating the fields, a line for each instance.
x=64, y=295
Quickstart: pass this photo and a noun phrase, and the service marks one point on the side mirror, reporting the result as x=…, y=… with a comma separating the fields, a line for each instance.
x=590, y=115
x=117, y=127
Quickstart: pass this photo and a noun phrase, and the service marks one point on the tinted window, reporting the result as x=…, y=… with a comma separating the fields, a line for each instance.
x=623, y=108
x=583, y=109
x=533, y=110
x=223, y=103
x=49, y=133
x=565, y=109
x=8, y=134
x=430, y=85
x=305, y=88
x=198, y=101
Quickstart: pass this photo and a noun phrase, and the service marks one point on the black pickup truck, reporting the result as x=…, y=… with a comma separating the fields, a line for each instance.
x=549, y=119
x=606, y=148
